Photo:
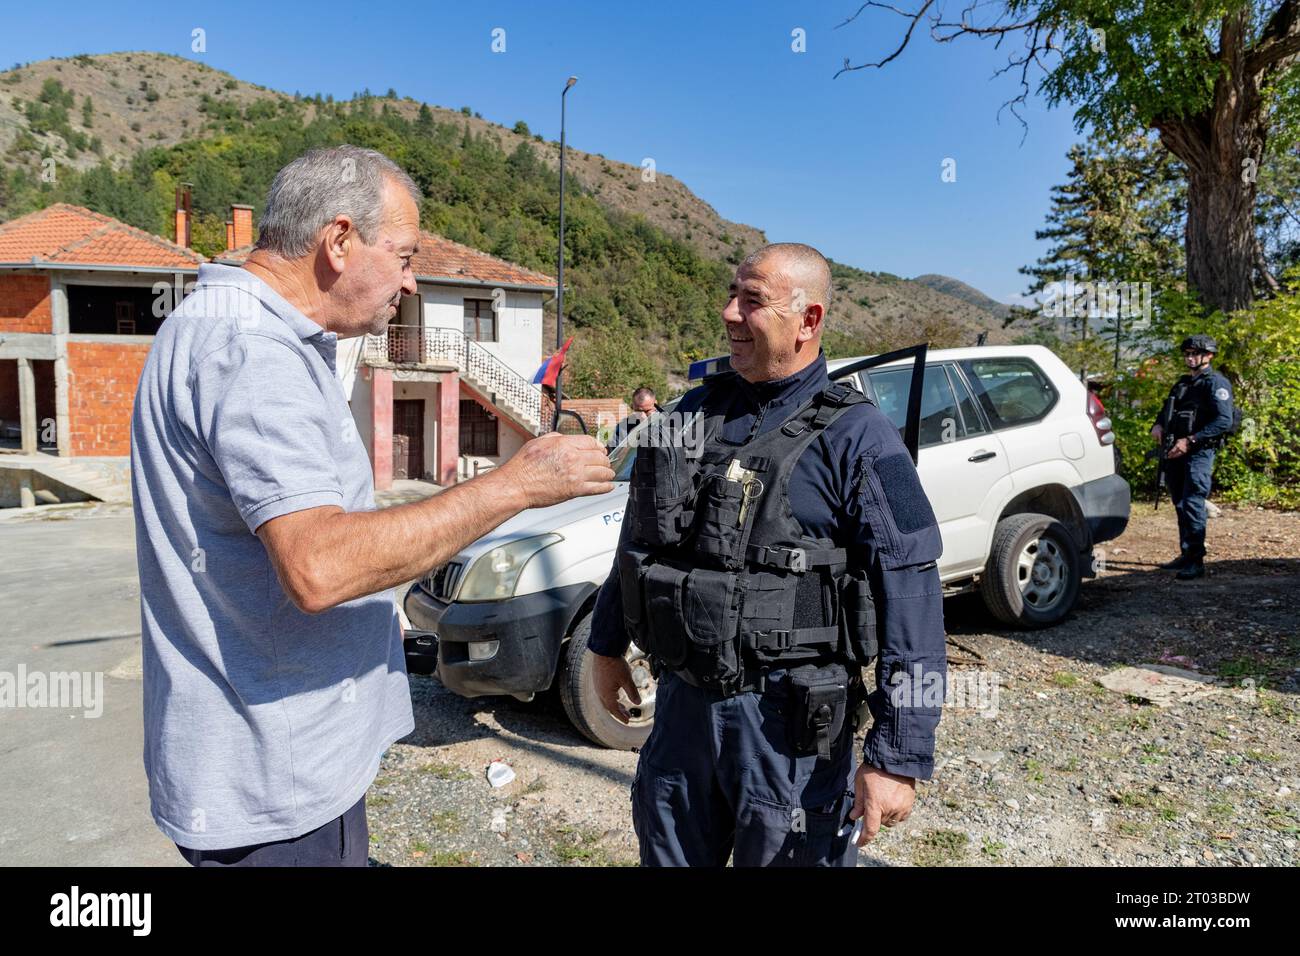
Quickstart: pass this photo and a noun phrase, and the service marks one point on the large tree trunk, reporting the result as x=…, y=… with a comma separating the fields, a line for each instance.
x=1222, y=148
x=1220, y=238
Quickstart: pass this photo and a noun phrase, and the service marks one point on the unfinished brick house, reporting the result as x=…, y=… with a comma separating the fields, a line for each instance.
x=78, y=312
x=445, y=393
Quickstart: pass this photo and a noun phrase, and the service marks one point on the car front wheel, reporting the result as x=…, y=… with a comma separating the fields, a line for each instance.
x=587, y=713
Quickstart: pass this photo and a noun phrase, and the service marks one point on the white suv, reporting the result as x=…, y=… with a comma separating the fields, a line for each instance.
x=1014, y=453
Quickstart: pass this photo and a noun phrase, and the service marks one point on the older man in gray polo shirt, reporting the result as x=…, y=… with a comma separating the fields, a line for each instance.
x=274, y=676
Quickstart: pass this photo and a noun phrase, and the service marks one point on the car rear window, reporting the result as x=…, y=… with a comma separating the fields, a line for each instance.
x=1013, y=391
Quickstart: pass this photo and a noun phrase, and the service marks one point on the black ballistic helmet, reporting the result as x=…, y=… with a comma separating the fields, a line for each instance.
x=1202, y=343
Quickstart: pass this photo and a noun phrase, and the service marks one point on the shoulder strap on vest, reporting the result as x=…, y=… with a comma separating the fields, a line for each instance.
x=824, y=408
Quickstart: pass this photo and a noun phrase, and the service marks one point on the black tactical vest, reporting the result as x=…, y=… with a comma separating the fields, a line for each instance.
x=718, y=578
x=1190, y=406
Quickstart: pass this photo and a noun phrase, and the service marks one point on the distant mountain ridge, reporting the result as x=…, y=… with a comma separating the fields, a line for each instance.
x=144, y=99
x=967, y=293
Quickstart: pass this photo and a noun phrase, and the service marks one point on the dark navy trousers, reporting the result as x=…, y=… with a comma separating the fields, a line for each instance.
x=1188, y=479
x=344, y=841
x=717, y=777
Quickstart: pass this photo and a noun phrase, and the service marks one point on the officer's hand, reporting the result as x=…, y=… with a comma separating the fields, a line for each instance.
x=882, y=797
x=1157, y=433
x=611, y=675
x=1178, y=449
x=555, y=468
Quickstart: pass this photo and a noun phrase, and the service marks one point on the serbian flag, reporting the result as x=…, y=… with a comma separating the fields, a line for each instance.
x=550, y=370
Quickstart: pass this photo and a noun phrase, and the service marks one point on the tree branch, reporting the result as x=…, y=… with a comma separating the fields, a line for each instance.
x=1278, y=41
x=1262, y=265
x=944, y=31
x=907, y=37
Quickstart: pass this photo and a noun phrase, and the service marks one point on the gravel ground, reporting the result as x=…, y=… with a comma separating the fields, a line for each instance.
x=1066, y=772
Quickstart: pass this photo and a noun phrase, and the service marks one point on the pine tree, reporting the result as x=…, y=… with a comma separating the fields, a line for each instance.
x=1115, y=226
x=424, y=122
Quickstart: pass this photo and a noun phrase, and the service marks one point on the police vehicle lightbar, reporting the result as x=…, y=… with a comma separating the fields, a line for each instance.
x=709, y=366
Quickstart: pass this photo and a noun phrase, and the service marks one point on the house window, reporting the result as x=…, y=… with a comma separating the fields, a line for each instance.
x=478, y=429
x=115, y=309
x=480, y=320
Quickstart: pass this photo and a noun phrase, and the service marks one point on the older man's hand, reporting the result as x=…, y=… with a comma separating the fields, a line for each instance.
x=554, y=468
x=883, y=798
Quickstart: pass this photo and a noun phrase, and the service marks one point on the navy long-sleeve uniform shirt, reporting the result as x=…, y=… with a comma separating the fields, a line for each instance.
x=856, y=485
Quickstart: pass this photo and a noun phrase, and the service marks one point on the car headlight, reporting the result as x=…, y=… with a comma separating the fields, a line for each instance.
x=494, y=576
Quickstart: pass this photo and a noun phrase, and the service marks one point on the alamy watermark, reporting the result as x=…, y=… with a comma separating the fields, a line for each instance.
x=67, y=690
x=684, y=430
x=965, y=689
x=127, y=910
x=235, y=299
x=1098, y=299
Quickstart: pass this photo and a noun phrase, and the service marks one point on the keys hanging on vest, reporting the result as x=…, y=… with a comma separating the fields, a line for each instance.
x=750, y=487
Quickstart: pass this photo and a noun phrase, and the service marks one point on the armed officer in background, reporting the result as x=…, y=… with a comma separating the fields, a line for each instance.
x=759, y=574
x=1198, y=415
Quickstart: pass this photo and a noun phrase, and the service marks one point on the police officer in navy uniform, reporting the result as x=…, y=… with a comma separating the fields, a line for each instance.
x=761, y=566
x=1198, y=415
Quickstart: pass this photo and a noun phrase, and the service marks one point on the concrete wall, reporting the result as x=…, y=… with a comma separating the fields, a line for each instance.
x=347, y=361
x=359, y=401
x=509, y=442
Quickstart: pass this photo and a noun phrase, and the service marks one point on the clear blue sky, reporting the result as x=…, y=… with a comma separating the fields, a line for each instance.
x=712, y=91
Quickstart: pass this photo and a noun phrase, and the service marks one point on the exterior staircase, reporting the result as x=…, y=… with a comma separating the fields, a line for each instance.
x=74, y=479
x=495, y=382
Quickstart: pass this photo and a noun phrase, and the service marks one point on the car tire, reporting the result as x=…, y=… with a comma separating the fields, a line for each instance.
x=578, y=694
x=1033, y=572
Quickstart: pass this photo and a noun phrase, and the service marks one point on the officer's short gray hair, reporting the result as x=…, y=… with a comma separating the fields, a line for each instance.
x=806, y=267
x=321, y=184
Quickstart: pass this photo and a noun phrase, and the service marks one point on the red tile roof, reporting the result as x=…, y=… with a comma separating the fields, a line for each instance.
x=70, y=235
x=441, y=258
x=234, y=257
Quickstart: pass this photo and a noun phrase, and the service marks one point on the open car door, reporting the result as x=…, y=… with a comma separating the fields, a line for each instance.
x=911, y=430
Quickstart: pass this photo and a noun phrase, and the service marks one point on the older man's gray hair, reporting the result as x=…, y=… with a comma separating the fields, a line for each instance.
x=322, y=183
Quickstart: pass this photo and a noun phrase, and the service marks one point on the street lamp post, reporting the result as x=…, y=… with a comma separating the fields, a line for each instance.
x=559, y=269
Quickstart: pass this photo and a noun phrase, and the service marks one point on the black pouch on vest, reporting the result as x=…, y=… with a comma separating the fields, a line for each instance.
x=710, y=610
x=662, y=632
x=657, y=496
x=857, y=618
x=819, y=701
x=718, y=531
x=631, y=584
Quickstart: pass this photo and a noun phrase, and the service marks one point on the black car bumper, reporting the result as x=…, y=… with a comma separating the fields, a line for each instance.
x=528, y=631
x=1105, y=506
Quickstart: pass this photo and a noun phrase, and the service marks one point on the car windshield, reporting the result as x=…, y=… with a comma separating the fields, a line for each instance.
x=621, y=461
